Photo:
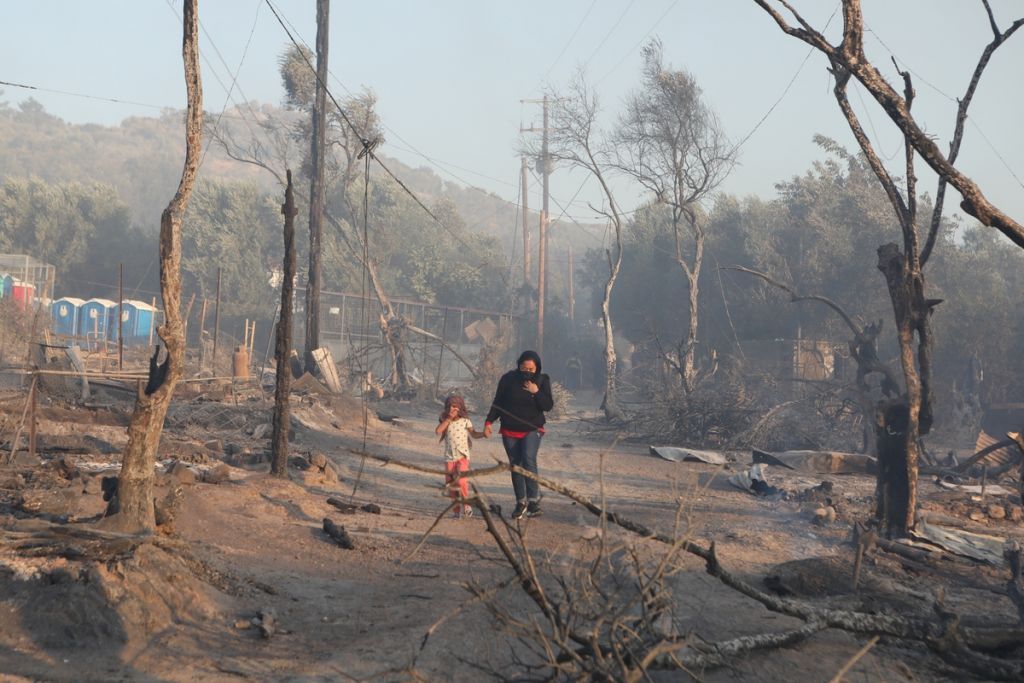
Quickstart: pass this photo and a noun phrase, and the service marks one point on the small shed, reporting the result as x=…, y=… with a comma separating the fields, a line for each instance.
x=94, y=318
x=64, y=312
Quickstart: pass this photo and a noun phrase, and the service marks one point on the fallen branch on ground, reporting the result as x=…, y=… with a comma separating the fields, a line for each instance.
x=946, y=637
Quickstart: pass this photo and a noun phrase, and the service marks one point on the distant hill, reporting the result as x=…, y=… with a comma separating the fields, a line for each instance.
x=142, y=159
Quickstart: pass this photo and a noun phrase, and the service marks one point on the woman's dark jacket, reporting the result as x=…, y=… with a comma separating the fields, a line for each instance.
x=519, y=410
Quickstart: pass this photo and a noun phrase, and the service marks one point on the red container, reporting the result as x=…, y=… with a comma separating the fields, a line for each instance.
x=23, y=293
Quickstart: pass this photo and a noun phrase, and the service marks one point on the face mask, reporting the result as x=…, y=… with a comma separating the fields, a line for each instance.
x=526, y=376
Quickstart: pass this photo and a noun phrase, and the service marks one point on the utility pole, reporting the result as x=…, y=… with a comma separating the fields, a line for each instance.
x=525, y=182
x=542, y=260
x=316, y=184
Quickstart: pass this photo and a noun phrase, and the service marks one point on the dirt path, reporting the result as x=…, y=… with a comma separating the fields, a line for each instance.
x=363, y=613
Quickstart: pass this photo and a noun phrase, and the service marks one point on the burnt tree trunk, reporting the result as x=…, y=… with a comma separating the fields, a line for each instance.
x=283, y=342
x=896, y=484
x=901, y=423
x=611, y=400
x=687, y=359
x=135, y=484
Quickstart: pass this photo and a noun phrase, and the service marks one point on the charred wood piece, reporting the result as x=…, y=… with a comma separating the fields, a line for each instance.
x=338, y=533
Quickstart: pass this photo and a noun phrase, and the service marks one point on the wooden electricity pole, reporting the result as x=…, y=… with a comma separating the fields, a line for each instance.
x=524, y=181
x=542, y=264
x=545, y=215
x=316, y=184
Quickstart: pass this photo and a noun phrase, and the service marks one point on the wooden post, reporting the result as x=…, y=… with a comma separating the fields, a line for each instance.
x=572, y=292
x=202, y=336
x=152, y=319
x=343, y=335
x=440, y=354
x=120, y=312
x=216, y=324
x=33, y=398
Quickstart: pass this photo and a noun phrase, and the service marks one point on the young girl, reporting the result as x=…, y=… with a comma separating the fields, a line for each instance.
x=457, y=433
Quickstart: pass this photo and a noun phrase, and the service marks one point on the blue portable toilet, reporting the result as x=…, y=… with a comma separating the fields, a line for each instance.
x=142, y=319
x=94, y=318
x=8, y=285
x=127, y=320
x=64, y=312
x=136, y=317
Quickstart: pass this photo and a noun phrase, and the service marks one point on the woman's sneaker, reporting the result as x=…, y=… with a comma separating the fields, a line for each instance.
x=520, y=511
x=533, y=509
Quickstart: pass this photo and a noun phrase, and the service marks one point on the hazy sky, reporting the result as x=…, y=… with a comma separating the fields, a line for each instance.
x=450, y=74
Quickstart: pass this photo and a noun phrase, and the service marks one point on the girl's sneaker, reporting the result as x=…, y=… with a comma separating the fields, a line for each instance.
x=467, y=511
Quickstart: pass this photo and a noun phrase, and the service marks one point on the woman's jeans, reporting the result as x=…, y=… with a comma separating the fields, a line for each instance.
x=523, y=453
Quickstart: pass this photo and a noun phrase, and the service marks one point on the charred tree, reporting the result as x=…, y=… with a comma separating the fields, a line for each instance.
x=863, y=350
x=575, y=140
x=282, y=345
x=670, y=142
x=902, y=422
x=135, y=484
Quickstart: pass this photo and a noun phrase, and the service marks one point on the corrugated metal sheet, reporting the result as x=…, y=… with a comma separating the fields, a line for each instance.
x=997, y=458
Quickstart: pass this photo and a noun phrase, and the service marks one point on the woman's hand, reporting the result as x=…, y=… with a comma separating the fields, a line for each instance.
x=487, y=431
x=531, y=387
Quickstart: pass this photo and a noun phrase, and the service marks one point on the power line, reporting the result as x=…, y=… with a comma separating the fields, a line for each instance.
x=638, y=43
x=784, y=92
x=98, y=98
x=949, y=97
x=609, y=34
x=103, y=98
x=871, y=122
x=566, y=46
x=908, y=67
x=369, y=145
x=433, y=161
x=995, y=151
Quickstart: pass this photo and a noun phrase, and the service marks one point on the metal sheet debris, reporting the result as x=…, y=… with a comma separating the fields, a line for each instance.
x=990, y=489
x=818, y=462
x=978, y=547
x=754, y=482
x=675, y=454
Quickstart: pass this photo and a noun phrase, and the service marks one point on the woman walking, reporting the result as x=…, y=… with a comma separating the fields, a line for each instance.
x=522, y=398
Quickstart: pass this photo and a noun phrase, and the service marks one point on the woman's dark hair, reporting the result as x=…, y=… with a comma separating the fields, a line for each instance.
x=529, y=355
